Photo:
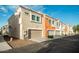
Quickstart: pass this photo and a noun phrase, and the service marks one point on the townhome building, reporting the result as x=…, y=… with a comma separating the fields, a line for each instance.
x=28, y=24
x=58, y=27
x=62, y=29
x=52, y=26
x=70, y=30
x=49, y=27
x=5, y=30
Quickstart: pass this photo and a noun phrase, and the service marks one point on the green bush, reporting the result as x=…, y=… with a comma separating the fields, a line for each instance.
x=0, y=33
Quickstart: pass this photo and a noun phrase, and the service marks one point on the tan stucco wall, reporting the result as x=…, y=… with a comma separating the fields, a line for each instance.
x=14, y=23
x=27, y=22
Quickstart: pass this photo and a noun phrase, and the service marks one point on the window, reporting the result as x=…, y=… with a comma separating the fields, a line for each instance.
x=49, y=21
x=38, y=18
x=33, y=17
x=26, y=13
x=52, y=22
x=59, y=24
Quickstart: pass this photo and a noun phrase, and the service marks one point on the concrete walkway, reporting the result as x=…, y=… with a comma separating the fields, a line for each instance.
x=3, y=44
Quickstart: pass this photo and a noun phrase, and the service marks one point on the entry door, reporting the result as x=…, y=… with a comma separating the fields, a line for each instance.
x=29, y=34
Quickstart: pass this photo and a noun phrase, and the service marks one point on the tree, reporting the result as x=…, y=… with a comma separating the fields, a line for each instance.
x=74, y=29
x=78, y=28
x=0, y=32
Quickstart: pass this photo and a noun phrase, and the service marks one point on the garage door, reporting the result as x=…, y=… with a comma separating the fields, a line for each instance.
x=57, y=32
x=36, y=34
x=50, y=32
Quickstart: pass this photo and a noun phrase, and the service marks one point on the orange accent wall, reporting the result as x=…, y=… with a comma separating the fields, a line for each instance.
x=48, y=27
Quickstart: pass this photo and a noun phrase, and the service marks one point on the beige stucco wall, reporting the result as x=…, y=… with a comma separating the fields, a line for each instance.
x=14, y=23
x=21, y=22
x=27, y=22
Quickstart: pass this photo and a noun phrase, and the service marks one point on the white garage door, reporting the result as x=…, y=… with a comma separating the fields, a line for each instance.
x=57, y=32
x=50, y=32
x=36, y=34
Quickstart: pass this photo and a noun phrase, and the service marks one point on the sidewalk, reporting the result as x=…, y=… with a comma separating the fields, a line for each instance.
x=3, y=44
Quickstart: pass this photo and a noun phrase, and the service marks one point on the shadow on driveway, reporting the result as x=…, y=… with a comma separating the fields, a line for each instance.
x=68, y=44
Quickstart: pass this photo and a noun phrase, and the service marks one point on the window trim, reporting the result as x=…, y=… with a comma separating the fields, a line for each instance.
x=36, y=19
x=53, y=22
x=33, y=18
x=49, y=21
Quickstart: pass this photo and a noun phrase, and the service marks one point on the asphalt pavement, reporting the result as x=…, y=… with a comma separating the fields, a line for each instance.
x=3, y=44
x=68, y=44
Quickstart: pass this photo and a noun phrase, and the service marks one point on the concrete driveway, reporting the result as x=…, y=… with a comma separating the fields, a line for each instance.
x=68, y=44
x=38, y=40
x=3, y=44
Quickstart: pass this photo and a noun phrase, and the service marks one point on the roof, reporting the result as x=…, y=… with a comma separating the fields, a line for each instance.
x=31, y=10
x=40, y=13
x=37, y=12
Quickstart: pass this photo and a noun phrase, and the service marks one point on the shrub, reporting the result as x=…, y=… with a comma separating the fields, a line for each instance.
x=50, y=36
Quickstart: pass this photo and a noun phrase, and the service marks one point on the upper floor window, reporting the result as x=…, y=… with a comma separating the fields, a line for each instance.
x=57, y=24
x=53, y=22
x=26, y=13
x=33, y=17
x=38, y=18
x=49, y=21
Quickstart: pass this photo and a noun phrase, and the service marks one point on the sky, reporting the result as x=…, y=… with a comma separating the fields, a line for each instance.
x=68, y=14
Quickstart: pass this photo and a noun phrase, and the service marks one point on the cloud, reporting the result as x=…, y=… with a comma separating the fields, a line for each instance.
x=3, y=9
x=12, y=7
x=39, y=8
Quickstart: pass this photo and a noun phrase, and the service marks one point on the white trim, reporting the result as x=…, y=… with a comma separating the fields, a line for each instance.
x=35, y=28
x=35, y=18
x=30, y=15
x=53, y=24
x=21, y=36
x=20, y=24
x=43, y=25
x=50, y=29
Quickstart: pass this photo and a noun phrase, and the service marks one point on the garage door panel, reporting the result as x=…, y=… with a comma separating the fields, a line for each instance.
x=50, y=32
x=36, y=34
